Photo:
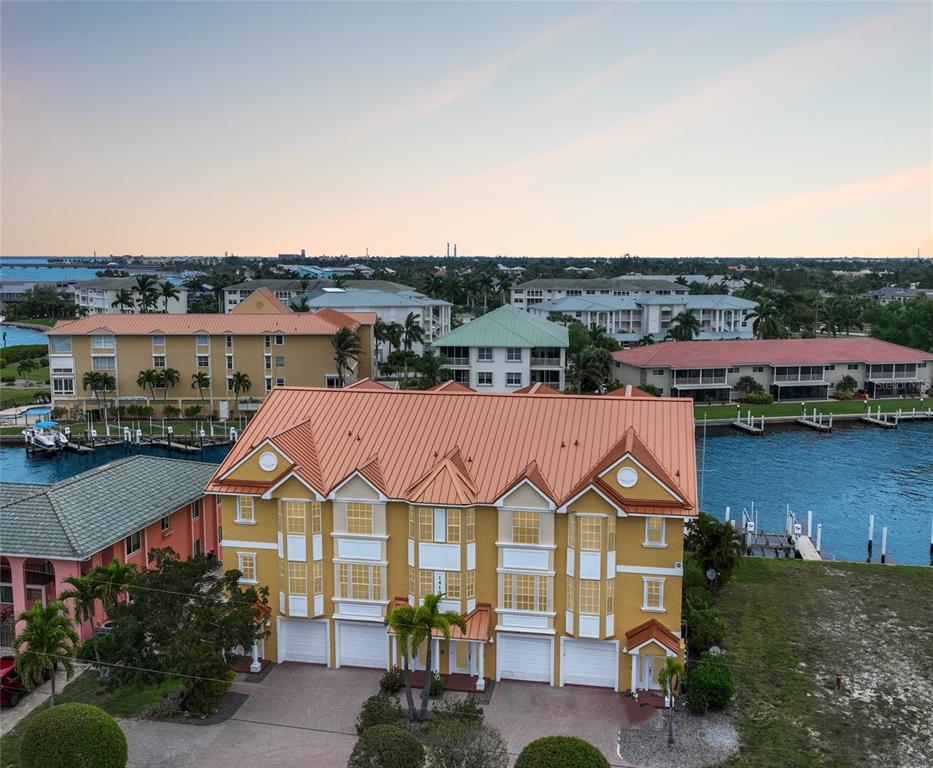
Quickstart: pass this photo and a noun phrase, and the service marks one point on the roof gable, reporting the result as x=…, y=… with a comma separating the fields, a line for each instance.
x=506, y=327
x=262, y=301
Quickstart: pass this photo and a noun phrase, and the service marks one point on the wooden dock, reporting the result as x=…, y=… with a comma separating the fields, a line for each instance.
x=819, y=426
x=751, y=429
x=882, y=422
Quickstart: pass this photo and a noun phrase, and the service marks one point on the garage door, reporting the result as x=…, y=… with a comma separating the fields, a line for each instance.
x=590, y=662
x=524, y=657
x=302, y=640
x=362, y=645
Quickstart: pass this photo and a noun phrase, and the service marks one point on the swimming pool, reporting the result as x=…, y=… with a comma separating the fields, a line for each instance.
x=38, y=410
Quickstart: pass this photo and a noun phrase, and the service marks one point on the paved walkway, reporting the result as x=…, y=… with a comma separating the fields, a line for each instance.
x=12, y=715
x=304, y=715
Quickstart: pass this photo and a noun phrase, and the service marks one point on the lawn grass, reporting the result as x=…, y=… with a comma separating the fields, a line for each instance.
x=129, y=701
x=822, y=406
x=792, y=626
x=36, y=374
x=13, y=396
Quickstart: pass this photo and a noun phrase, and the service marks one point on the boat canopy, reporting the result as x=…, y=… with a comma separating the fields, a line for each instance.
x=45, y=424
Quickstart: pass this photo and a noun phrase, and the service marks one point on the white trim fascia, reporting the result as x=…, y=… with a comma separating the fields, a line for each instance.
x=357, y=536
x=55, y=557
x=685, y=518
x=629, y=456
x=634, y=651
x=498, y=502
x=251, y=453
x=291, y=474
x=332, y=496
x=510, y=630
x=619, y=511
x=526, y=572
x=523, y=545
x=249, y=544
x=644, y=570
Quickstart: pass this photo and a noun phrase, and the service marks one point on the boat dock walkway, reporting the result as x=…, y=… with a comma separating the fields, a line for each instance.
x=821, y=422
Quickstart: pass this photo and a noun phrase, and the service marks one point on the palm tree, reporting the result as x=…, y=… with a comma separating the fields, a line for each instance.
x=148, y=379
x=113, y=579
x=347, y=352
x=421, y=623
x=301, y=305
x=381, y=333
x=124, y=299
x=167, y=291
x=599, y=338
x=85, y=592
x=47, y=641
x=685, y=326
x=669, y=678
x=717, y=546
x=504, y=288
x=166, y=378
x=648, y=338
x=846, y=384
x=432, y=369
x=241, y=383
x=200, y=381
x=748, y=384
x=843, y=314
x=584, y=369
x=394, y=334
x=433, y=286
x=146, y=288
x=100, y=383
x=412, y=331
x=766, y=323
x=402, y=620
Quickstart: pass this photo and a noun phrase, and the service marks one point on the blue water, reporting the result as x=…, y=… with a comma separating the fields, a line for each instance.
x=16, y=466
x=11, y=336
x=843, y=477
x=38, y=410
x=22, y=268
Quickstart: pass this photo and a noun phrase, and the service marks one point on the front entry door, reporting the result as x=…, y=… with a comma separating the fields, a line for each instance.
x=650, y=666
x=461, y=656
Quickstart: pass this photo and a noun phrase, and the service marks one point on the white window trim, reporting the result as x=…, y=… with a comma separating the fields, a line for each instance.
x=481, y=383
x=644, y=595
x=126, y=539
x=239, y=565
x=241, y=520
x=656, y=545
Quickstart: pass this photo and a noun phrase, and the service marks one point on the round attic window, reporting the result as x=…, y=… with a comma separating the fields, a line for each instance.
x=627, y=477
x=268, y=461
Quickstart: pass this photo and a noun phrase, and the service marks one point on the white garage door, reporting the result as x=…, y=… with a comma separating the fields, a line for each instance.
x=590, y=662
x=302, y=640
x=524, y=657
x=362, y=645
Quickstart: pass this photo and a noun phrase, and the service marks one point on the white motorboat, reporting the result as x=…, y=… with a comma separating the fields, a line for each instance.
x=43, y=434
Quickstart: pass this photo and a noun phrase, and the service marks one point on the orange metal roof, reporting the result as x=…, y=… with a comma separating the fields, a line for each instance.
x=477, y=622
x=722, y=354
x=368, y=384
x=451, y=386
x=537, y=389
x=455, y=448
x=627, y=391
x=652, y=630
x=324, y=322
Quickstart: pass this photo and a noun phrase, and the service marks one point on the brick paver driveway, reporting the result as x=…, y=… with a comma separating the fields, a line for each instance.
x=273, y=727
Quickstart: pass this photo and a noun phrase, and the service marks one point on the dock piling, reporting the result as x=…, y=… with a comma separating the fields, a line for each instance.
x=871, y=535
x=810, y=523
x=884, y=544
x=819, y=537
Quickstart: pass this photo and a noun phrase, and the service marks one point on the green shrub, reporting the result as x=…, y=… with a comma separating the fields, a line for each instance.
x=381, y=709
x=171, y=411
x=192, y=410
x=460, y=710
x=58, y=413
x=387, y=746
x=842, y=395
x=7, y=379
x=759, y=398
x=437, y=685
x=205, y=694
x=466, y=744
x=392, y=680
x=21, y=352
x=705, y=626
x=72, y=735
x=709, y=685
x=561, y=752
x=651, y=389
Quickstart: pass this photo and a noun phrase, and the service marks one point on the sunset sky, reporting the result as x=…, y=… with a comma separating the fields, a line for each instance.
x=523, y=129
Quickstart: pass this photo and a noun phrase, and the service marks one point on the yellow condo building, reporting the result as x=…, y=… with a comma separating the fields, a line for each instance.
x=553, y=523
x=262, y=338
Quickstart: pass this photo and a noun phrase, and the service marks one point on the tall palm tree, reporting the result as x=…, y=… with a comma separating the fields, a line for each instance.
x=846, y=384
x=241, y=383
x=148, y=379
x=843, y=314
x=113, y=579
x=200, y=381
x=85, y=592
x=167, y=291
x=433, y=286
x=402, y=620
x=146, y=288
x=766, y=323
x=100, y=383
x=422, y=621
x=301, y=304
x=124, y=299
x=504, y=288
x=685, y=326
x=347, y=351
x=584, y=369
x=431, y=368
x=166, y=378
x=412, y=332
x=394, y=334
x=47, y=641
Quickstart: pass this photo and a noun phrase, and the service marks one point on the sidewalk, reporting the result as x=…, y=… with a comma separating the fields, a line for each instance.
x=10, y=716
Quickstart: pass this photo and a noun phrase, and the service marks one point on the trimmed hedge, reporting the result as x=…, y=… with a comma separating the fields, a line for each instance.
x=710, y=684
x=381, y=709
x=387, y=746
x=72, y=735
x=561, y=752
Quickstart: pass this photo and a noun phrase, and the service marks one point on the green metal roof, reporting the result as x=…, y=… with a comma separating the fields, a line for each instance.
x=74, y=518
x=506, y=326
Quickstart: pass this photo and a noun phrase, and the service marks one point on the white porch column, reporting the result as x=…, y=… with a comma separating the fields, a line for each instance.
x=394, y=660
x=481, y=680
x=255, y=666
x=634, y=684
x=436, y=660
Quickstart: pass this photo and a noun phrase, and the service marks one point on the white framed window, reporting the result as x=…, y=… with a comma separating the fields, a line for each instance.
x=63, y=386
x=267, y=362
x=166, y=523
x=279, y=339
x=484, y=354
x=229, y=362
x=332, y=381
x=280, y=381
x=133, y=543
x=279, y=361
x=655, y=532
x=526, y=592
x=230, y=383
x=246, y=564
x=59, y=344
x=158, y=341
x=203, y=361
x=158, y=361
x=653, y=597
x=228, y=341
x=514, y=354
x=513, y=379
x=202, y=340
x=268, y=383
x=484, y=378
x=103, y=363
x=196, y=509
x=245, y=510
x=102, y=342
x=589, y=597
x=267, y=341
x=360, y=582
x=526, y=527
x=852, y=367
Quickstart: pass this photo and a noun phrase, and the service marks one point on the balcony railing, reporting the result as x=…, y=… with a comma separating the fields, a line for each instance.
x=553, y=362
x=681, y=380
x=458, y=361
x=785, y=377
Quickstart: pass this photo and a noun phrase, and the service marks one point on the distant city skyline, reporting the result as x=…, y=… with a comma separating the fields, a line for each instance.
x=559, y=129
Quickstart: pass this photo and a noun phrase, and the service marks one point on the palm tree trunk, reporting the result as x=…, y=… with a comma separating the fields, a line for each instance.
x=54, y=670
x=409, y=697
x=428, y=674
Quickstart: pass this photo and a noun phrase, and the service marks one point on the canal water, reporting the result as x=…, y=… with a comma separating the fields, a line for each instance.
x=11, y=336
x=843, y=477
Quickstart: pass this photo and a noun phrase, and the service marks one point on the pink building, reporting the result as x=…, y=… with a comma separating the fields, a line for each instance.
x=120, y=510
